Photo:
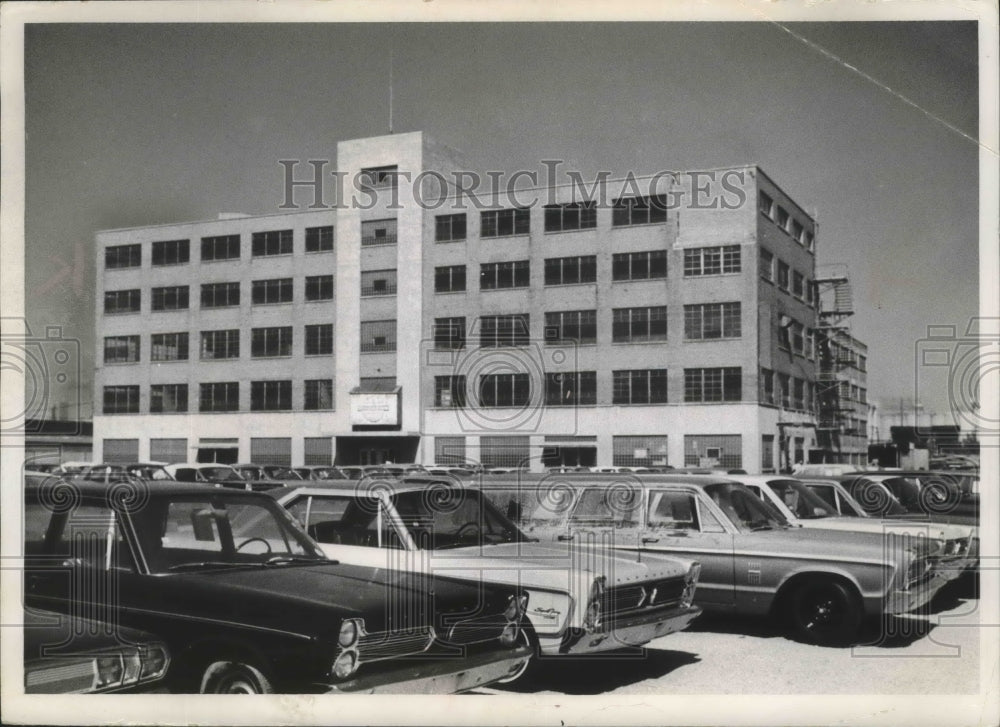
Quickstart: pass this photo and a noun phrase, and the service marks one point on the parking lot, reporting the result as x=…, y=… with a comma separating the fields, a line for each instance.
x=934, y=652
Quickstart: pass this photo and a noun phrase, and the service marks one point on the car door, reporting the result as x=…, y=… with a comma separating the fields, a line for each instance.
x=355, y=529
x=681, y=522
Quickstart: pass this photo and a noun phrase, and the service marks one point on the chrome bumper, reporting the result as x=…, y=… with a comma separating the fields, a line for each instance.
x=624, y=631
x=447, y=675
x=900, y=601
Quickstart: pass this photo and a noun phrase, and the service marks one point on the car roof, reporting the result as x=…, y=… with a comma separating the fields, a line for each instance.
x=168, y=487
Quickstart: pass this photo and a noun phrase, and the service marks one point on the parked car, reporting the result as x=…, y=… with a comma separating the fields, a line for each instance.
x=455, y=470
x=822, y=582
x=804, y=508
x=208, y=473
x=582, y=599
x=319, y=472
x=246, y=602
x=76, y=655
x=356, y=472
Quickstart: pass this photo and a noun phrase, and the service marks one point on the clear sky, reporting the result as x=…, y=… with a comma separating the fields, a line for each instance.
x=130, y=125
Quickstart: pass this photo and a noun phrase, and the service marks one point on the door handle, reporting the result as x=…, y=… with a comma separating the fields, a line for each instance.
x=564, y=536
x=650, y=539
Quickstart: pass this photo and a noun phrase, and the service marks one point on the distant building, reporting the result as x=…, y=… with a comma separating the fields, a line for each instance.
x=636, y=332
x=55, y=441
x=842, y=393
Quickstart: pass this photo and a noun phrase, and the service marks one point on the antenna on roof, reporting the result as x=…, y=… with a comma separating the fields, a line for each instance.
x=390, y=90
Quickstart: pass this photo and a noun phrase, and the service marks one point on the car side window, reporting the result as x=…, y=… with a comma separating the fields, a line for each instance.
x=346, y=520
x=88, y=534
x=677, y=510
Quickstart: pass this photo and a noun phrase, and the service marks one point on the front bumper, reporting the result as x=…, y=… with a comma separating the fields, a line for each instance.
x=900, y=601
x=623, y=631
x=446, y=675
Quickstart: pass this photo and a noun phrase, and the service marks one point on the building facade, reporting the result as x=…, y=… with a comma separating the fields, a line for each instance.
x=842, y=394
x=663, y=320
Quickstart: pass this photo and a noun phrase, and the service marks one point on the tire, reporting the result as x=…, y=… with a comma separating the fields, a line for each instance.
x=531, y=665
x=825, y=612
x=233, y=677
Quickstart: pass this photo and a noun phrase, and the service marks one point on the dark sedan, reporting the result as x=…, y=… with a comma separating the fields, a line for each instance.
x=247, y=603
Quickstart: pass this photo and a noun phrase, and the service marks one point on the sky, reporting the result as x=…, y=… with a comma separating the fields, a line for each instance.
x=871, y=127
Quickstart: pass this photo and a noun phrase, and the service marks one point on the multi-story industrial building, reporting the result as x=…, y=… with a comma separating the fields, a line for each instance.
x=662, y=320
x=842, y=397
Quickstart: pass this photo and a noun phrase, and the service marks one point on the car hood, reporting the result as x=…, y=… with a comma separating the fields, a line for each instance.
x=941, y=531
x=816, y=543
x=386, y=599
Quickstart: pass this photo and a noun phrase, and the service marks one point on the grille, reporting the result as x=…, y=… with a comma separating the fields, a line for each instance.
x=477, y=630
x=389, y=644
x=654, y=594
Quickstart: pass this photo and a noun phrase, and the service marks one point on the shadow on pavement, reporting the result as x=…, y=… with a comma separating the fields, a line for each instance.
x=760, y=626
x=599, y=673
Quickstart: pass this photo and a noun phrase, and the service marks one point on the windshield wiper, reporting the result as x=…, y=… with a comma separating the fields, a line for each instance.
x=197, y=565
x=287, y=559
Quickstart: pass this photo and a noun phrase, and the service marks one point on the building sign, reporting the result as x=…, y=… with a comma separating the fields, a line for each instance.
x=371, y=409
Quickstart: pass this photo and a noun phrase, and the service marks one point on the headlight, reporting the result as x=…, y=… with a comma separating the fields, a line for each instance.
x=592, y=619
x=690, y=584
x=348, y=633
x=345, y=664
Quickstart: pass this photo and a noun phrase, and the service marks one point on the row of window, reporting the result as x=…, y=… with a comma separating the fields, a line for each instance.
x=785, y=221
x=836, y=356
x=220, y=396
x=704, y=321
x=775, y=270
x=786, y=391
x=218, y=247
x=227, y=294
x=644, y=265
x=223, y=344
x=579, y=388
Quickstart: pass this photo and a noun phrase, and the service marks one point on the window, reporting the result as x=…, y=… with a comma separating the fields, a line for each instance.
x=638, y=451
x=319, y=339
x=504, y=451
x=784, y=390
x=271, y=342
x=172, y=297
x=711, y=260
x=167, y=449
x=169, y=347
x=500, y=223
x=798, y=284
x=221, y=396
x=709, y=321
x=504, y=390
x=797, y=230
x=123, y=256
x=783, y=276
x=449, y=391
x=767, y=453
x=810, y=338
x=222, y=247
x=809, y=241
x=122, y=301
x=378, y=232
x=810, y=292
x=579, y=326
x=121, y=349
x=782, y=219
x=509, y=330
x=716, y=384
x=270, y=395
x=496, y=276
x=319, y=239
x=766, y=386
x=571, y=216
x=570, y=270
x=798, y=337
x=639, y=265
x=639, y=210
x=449, y=334
x=273, y=242
x=317, y=451
x=765, y=204
x=168, y=398
x=220, y=295
x=216, y=345
x=449, y=228
x=571, y=387
x=378, y=282
x=378, y=336
x=449, y=449
x=269, y=292
x=713, y=450
x=379, y=177
x=766, y=265
x=639, y=386
x=319, y=287
x=171, y=252
x=449, y=279
x=637, y=325
x=318, y=394
x=862, y=363
x=798, y=393
x=121, y=399
x=378, y=384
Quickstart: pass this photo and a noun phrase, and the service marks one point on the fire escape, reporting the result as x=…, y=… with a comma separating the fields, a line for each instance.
x=834, y=355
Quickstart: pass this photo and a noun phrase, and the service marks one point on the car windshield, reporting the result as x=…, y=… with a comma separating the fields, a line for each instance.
x=284, y=473
x=614, y=506
x=877, y=498
x=453, y=517
x=220, y=473
x=747, y=511
x=803, y=502
x=218, y=531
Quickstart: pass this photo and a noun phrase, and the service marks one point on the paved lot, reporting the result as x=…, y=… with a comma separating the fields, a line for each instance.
x=936, y=652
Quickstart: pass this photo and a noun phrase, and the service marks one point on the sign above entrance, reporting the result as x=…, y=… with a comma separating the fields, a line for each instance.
x=374, y=409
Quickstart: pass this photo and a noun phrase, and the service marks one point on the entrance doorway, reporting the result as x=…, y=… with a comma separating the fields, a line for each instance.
x=219, y=455
x=569, y=456
x=376, y=450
